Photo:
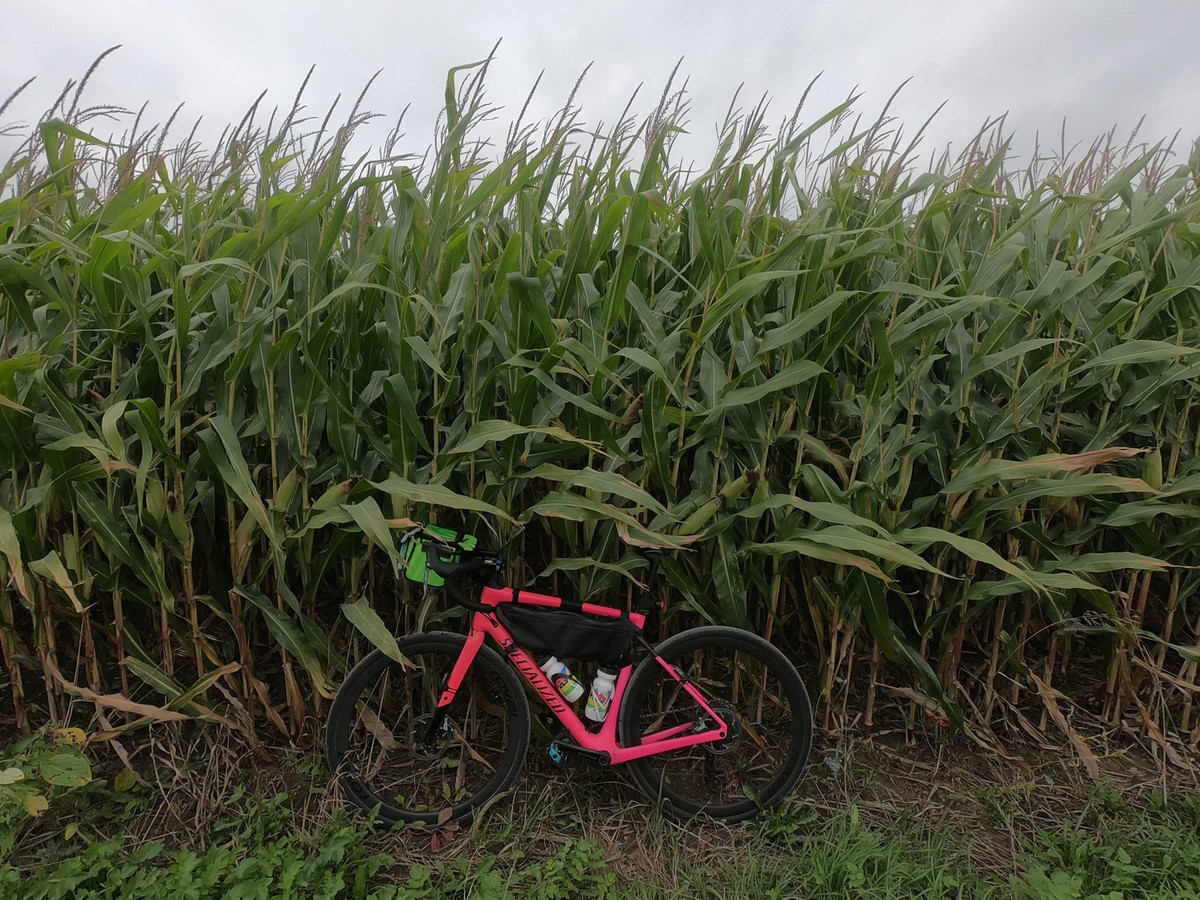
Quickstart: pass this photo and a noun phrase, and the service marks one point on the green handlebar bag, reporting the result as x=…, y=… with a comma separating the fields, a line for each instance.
x=412, y=551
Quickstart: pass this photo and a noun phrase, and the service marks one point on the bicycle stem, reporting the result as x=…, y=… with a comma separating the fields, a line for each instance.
x=646, y=597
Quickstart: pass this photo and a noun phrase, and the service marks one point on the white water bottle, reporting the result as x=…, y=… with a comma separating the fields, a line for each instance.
x=560, y=676
x=603, y=686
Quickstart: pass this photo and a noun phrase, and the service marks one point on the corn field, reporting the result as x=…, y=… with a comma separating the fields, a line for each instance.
x=928, y=427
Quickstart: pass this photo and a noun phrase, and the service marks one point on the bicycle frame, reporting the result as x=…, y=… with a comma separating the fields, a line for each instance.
x=604, y=742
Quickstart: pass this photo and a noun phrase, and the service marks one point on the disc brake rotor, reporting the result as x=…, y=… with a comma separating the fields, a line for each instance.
x=428, y=749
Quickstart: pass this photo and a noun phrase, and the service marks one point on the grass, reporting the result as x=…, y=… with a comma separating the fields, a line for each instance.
x=1114, y=847
x=216, y=825
x=793, y=853
x=254, y=852
x=254, y=856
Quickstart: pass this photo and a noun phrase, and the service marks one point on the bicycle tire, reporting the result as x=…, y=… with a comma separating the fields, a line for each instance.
x=769, y=741
x=372, y=734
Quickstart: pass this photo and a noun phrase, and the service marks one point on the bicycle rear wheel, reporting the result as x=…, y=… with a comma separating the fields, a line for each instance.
x=376, y=734
x=755, y=689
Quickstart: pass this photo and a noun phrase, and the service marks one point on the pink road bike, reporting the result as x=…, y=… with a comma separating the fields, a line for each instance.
x=714, y=721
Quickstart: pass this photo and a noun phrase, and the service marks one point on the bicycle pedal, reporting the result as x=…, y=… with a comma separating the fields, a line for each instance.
x=556, y=754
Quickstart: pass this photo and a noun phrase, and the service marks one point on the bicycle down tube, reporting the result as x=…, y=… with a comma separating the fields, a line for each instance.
x=605, y=740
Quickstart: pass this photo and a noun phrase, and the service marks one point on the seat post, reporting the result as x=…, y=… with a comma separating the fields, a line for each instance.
x=646, y=600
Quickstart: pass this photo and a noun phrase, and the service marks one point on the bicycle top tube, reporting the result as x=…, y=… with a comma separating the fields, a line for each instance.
x=492, y=597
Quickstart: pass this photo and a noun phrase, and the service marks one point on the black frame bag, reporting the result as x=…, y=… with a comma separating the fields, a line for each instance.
x=569, y=635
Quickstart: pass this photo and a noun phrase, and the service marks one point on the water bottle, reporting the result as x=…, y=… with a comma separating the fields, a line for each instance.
x=601, y=696
x=560, y=676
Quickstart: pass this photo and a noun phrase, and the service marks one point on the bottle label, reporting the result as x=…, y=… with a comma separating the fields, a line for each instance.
x=598, y=704
x=566, y=684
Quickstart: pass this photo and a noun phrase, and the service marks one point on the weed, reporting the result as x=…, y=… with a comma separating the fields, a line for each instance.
x=35, y=770
x=1118, y=848
x=253, y=856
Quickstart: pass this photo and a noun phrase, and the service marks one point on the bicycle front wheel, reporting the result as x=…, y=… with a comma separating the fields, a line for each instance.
x=380, y=743
x=755, y=689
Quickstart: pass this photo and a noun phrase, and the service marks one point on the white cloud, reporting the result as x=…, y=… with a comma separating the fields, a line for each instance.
x=1095, y=63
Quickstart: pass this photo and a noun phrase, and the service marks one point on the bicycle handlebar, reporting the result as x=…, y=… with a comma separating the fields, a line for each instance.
x=447, y=569
x=452, y=571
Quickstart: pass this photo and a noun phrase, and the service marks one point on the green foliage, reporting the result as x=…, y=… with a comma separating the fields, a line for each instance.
x=253, y=855
x=256, y=850
x=578, y=869
x=1113, y=849
x=880, y=402
x=840, y=856
x=33, y=772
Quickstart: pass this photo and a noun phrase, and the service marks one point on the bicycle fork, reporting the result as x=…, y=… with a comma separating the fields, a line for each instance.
x=461, y=666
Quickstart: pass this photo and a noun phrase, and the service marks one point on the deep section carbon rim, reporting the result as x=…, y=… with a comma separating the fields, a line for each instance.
x=391, y=749
x=760, y=695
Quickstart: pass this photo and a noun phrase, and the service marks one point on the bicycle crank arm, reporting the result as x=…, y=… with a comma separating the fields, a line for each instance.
x=566, y=745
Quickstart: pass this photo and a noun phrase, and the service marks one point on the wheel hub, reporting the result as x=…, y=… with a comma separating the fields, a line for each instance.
x=423, y=746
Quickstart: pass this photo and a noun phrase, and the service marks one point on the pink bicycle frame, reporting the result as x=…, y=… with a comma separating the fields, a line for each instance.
x=605, y=740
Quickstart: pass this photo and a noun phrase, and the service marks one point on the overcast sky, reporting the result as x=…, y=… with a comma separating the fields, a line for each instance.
x=1094, y=63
